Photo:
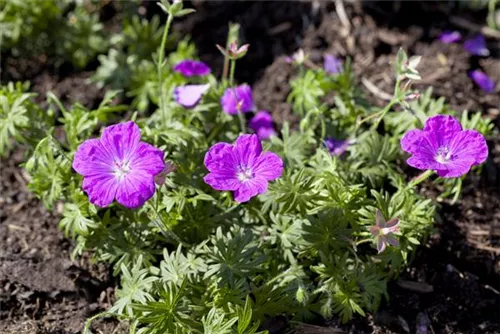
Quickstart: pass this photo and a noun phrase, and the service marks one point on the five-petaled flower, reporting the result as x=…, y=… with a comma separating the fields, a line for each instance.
x=189, y=96
x=242, y=167
x=118, y=166
x=237, y=99
x=262, y=124
x=444, y=147
x=383, y=231
x=336, y=146
x=191, y=68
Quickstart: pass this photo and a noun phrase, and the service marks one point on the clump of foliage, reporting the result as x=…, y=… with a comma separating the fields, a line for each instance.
x=192, y=260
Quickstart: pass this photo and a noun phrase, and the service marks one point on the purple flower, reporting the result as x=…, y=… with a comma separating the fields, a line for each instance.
x=242, y=167
x=477, y=46
x=483, y=81
x=383, y=231
x=332, y=64
x=237, y=99
x=262, y=124
x=188, y=96
x=192, y=68
x=336, y=146
x=118, y=166
x=449, y=37
x=444, y=147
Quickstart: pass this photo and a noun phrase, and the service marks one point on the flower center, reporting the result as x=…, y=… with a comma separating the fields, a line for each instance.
x=121, y=170
x=244, y=173
x=443, y=155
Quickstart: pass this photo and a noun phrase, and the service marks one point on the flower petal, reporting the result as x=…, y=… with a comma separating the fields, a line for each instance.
x=121, y=140
x=247, y=149
x=380, y=244
x=91, y=158
x=135, y=189
x=410, y=141
x=332, y=64
x=249, y=189
x=189, y=96
x=222, y=181
x=190, y=68
x=147, y=158
x=442, y=123
x=455, y=168
x=101, y=188
x=262, y=125
x=220, y=159
x=448, y=37
x=235, y=98
x=483, y=81
x=470, y=143
x=477, y=46
x=268, y=166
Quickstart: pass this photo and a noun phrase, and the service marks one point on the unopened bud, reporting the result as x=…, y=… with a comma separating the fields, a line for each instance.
x=161, y=177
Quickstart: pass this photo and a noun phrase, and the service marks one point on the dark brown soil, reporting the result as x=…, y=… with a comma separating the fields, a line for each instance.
x=43, y=291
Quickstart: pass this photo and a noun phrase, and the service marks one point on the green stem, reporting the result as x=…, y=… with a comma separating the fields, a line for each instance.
x=165, y=230
x=161, y=56
x=419, y=179
x=383, y=113
x=231, y=73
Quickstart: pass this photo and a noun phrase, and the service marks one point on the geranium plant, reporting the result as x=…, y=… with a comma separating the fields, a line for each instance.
x=214, y=220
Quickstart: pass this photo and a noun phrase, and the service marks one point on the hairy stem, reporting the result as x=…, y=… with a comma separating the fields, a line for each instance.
x=161, y=55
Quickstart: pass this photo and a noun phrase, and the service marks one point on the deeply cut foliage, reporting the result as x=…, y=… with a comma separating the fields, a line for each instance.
x=194, y=261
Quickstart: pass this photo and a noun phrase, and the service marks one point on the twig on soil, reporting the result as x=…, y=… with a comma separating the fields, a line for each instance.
x=440, y=73
x=480, y=246
x=463, y=23
x=416, y=286
x=375, y=90
x=17, y=228
x=340, y=9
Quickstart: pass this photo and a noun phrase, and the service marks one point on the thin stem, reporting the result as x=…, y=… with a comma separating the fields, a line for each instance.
x=165, y=230
x=241, y=117
x=161, y=55
x=231, y=73
x=419, y=179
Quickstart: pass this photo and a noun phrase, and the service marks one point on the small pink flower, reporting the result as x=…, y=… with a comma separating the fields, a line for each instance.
x=383, y=231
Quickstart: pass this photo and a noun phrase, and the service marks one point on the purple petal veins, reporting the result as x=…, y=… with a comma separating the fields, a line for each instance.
x=336, y=146
x=191, y=68
x=262, y=124
x=237, y=99
x=449, y=37
x=477, y=46
x=483, y=81
x=332, y=64
x=189, y=96
x=444, y=147
x=118, y=166
x=242, y=167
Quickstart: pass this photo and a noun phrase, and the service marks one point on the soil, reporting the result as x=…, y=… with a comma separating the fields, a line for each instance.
x=453, y=284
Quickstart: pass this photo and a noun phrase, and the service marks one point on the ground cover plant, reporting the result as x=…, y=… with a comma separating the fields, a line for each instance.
x=214, y=219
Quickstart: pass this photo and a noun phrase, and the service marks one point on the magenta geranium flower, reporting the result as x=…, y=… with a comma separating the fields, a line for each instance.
x=237, y=99
x=189, y=96
x=242, y=167
x=449, y=37
x=262, y=124
x=383, y=231
x=336, y=146
x=477, y=46
x=483, y=81
x=191, y=68
x=118, y=166
x=332, y=64
x=444, y=147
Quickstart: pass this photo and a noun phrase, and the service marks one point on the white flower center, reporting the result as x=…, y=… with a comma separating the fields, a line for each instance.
x=121, y=169
x=244, y=173
x=443, y=155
